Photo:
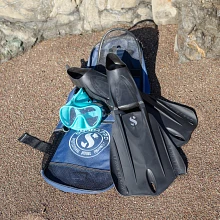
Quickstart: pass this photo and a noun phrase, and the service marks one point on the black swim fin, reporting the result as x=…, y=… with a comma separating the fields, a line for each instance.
x=179, y=120
x=144, y=160
x=94, y=82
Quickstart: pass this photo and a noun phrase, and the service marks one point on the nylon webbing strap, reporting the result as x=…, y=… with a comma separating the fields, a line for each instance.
x=136, y=72
x=35, y=142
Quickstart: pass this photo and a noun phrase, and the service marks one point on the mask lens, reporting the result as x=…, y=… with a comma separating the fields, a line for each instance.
x=90, y=115
x=72, y=115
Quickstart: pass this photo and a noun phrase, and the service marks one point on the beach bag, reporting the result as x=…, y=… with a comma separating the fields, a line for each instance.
x=79, y=161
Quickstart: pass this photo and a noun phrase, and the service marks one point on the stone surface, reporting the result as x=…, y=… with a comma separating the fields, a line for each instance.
x=101, y=4
x=61, y=7
x=24, y=23
x=35, y=216
x=90, y=14
x=14, y=39
x=25, y=11
x=163, y=12
x=145, y=11
x=118, y=5
x=108, y=19
x=198, y=29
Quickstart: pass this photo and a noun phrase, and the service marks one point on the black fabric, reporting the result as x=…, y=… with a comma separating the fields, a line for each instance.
x=136, y=73
x=35, y=142
x=54, y=141
x=78, y=176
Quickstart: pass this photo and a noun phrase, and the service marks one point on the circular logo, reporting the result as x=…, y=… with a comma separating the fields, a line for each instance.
x=89, y=143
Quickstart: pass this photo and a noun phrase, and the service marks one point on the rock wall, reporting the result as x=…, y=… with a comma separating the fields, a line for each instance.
x=164, y=12
x=24, y=23
x=198, y=29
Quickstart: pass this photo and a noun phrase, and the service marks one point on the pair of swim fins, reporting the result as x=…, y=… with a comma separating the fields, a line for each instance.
x=179, y=120
x=146, y=132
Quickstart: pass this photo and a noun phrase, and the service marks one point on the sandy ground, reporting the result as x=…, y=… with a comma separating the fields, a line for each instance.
x=33, y=88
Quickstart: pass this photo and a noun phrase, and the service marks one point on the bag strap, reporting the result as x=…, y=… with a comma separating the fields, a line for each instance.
x=35, y=143
x=141, y=21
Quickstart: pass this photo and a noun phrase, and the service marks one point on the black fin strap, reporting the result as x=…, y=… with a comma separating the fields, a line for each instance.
x=35, y=142
x=135, y=72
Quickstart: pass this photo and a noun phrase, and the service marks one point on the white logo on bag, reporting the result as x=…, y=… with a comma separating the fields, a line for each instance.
x=89, y=138
x=89, y=143
x=133, y=121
